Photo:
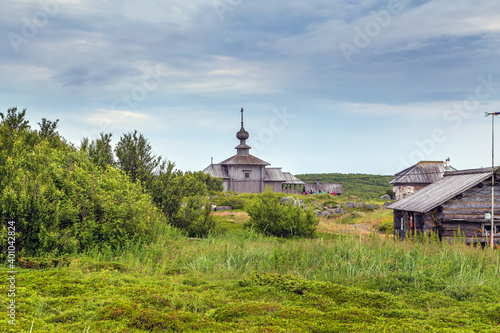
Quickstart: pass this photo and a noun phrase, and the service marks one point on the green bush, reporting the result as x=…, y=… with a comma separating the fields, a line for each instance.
x=270, y=217
x=55, y=200
x=60, y=202
x=386, y=226
x=235, y=201
x=194, y=218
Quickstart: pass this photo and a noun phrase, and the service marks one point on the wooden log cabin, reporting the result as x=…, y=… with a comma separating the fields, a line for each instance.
x=461, y=200
x=418, y=176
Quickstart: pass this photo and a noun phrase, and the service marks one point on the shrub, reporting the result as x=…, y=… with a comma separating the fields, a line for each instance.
x=194, y=218
x=270, y=217
x=235, y=201
x=61, y=203
x=386, y=226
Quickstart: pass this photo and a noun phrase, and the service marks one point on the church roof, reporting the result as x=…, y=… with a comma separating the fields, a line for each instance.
x=244, y=160
x=217, y=170
x=274, y=175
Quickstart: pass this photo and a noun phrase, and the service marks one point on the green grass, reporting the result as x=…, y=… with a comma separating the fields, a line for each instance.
x=239, y=281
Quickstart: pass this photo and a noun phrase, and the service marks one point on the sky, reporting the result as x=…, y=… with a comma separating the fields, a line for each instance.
x=327, y=85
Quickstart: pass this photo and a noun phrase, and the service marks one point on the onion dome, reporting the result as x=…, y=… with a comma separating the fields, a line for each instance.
x=242, y=134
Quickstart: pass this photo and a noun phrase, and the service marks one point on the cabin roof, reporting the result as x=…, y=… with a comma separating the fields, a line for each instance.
x=328, y=187
x=424, y=172
x=291, y=179
x=452, y=184
x=244, y=160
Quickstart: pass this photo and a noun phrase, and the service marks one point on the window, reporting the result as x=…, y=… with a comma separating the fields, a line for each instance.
x=487, y=228
x=247, y=174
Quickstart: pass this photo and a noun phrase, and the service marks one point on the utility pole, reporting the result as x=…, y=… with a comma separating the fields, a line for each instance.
x=493, y=114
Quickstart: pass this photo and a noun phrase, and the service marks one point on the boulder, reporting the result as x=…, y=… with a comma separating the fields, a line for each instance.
x=318, y=206
x=371, y=206
x=339, y=211
x=385, y=197
x=350, y=204
x=287, y=200
x=330, y=212
x=221, y=208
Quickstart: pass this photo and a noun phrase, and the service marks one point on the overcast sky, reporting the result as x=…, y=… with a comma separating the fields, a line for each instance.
x=327, y=86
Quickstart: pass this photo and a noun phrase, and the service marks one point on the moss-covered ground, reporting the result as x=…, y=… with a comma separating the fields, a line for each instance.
x=240, y=281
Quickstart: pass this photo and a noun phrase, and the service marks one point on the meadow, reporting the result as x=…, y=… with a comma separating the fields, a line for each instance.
x=351, y=278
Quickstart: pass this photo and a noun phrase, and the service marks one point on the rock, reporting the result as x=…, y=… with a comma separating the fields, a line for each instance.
x=350, y=204
x=360, y=205
x=320, y=213
x=286, y=200
x=371, y=206
x=318, y=206
x=338, y=206
x=339, y=211
x=299, y=203
x=385, y=197
x=221, y=208
x=387, y=203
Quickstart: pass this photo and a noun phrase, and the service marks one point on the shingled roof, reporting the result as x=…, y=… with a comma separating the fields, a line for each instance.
x=452, y=184
x=424, y=172
x=244, y=160
x=217, y=170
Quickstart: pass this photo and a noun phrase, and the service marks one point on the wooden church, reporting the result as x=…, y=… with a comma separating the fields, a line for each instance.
x=245, y=173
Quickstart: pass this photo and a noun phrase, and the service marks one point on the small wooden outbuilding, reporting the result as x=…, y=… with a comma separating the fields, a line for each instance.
x=332, y=188
x=460, y=201
x=418, y=176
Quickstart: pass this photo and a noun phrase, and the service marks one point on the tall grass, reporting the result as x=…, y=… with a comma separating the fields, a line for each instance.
x=367, y=261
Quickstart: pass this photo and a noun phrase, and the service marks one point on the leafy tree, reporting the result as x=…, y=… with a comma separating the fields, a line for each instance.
x=200, y=183
x=135, y=157
x=270, y=217
x=61, y=203
x=167, y=187
x=48, y=128
x=15, y=120
x=99, y=150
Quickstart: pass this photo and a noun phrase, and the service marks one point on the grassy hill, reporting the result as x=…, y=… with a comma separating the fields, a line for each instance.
x=361, y=185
